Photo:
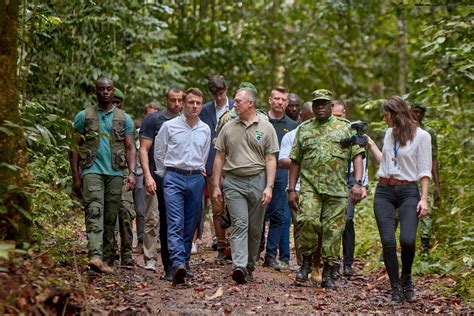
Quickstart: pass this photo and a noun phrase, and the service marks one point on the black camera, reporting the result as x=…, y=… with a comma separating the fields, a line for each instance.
x=359, y=138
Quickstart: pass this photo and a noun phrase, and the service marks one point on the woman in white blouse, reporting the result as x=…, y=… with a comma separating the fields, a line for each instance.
x=405, y=160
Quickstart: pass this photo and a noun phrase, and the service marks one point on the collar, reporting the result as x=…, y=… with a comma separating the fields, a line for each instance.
x=112, y=109
x=329, y=119
x=226, y=106
x=256, y=119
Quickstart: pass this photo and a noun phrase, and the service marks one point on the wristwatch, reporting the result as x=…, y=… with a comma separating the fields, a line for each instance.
x=359, y=182
x=290, y=190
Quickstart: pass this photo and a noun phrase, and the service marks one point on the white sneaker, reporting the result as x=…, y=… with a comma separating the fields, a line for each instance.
x=150, y=265
x=194, y=249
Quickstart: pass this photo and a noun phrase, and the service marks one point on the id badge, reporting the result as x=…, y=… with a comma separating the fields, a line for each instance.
x=394, y=168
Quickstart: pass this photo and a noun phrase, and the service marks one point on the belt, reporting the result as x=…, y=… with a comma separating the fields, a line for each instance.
x=185, y=172
x=393, y=181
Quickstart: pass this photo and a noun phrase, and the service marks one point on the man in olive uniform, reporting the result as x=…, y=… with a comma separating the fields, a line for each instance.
x=318, y=158
x=426, y=228
x=106, y=148
x=126, y=212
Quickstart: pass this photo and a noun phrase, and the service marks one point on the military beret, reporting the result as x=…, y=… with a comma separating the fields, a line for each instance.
x=246, y=84
x=323, y=94
x=119, y=94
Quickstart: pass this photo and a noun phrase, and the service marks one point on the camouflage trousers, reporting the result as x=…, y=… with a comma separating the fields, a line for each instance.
x=102, y=201
x=321, y=216
x=125, y=219
x=426, y=223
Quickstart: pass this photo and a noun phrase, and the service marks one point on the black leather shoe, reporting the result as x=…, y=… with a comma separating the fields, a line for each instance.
x=239, y=275
x=348, y=270
x=397, y=296
x=179, y=274
x=408, y=288
x=271, y=262
x=168, y=276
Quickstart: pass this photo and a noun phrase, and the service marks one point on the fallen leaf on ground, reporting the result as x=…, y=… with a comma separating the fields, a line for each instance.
x=219, y=292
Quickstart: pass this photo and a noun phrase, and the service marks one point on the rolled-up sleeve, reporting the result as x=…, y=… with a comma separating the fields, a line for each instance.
x=424, y=160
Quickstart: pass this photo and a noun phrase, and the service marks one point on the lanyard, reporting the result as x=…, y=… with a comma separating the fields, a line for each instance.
x=395, y=149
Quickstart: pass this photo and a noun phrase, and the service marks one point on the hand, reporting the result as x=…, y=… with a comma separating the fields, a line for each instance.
x=267, y=195
x=78, y=188
x=150, y=185
x=356, y=193
x=293, y=200
x=364, y=192
x=422, y=208
x=217, y=197
x=130, y=182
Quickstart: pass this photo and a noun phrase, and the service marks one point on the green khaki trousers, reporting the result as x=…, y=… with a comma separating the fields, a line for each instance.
x=102, y=202
x=243, y=197
x=321, y=216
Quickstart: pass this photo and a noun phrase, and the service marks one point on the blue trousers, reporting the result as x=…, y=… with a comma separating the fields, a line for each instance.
x=276, y=213
x=183, y=196
x=284, y=247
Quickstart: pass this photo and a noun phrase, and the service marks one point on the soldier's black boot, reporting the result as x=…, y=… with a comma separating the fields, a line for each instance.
x=305, y=269
x=425, y=246
x=328, y=272
x=335, y=274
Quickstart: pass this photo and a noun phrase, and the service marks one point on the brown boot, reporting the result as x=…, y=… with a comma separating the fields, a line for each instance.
x=97, y=265
x=316, y=275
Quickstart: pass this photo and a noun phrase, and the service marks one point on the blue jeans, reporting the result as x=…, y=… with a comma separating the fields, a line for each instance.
x=276, y=213
x=183, y=196
x=284, y=247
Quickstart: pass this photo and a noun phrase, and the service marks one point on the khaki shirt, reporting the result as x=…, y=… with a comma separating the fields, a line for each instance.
x=322, y=160
x=245, y=146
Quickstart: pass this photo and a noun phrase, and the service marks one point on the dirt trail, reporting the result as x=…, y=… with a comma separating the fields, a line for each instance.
x=213, y=291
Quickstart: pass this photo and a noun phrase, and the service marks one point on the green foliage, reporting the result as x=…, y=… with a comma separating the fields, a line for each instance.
x=350, y=47
x=78, y=41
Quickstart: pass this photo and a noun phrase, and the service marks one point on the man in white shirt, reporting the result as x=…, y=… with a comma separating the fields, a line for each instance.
x=181, y=150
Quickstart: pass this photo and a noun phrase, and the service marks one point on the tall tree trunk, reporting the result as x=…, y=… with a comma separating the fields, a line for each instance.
x=14, y=203
x=402, y=53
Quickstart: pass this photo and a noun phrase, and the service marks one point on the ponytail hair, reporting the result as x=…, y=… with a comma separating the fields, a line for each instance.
x=404, y=124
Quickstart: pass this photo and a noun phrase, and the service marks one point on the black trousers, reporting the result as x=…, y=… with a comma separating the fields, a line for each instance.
x=388, y=199
x=165, y=256
x=348, y=237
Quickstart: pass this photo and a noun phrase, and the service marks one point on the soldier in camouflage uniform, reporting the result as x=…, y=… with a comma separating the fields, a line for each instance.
x=426, y=227
x=106, y=148
x=321, y=163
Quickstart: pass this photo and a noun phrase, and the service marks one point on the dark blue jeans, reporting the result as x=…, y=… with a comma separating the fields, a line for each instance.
x=276, y=212
x=388, y=199
x=183, y=196
x=284, y=248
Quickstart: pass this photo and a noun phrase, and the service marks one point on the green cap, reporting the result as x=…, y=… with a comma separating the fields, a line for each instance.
x=119, y=94
x=323, y=94
x=246, y=84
